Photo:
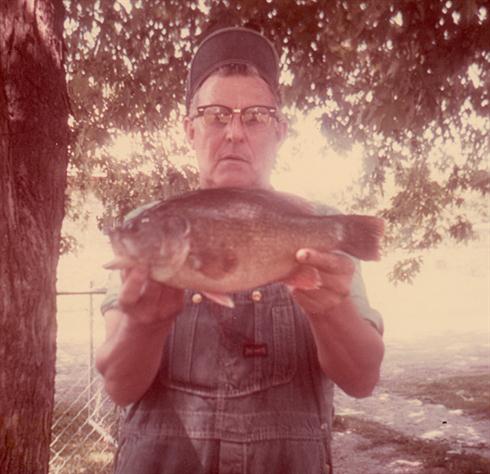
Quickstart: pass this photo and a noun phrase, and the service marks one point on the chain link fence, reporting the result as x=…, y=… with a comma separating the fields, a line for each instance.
x=85, y=421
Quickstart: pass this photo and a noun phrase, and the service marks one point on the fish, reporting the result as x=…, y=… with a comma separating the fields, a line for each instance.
x=225, y=240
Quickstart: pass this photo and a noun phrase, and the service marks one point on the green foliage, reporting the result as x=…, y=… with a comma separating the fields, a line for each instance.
x=406, y=79
x=68, y=244
x=405, y=269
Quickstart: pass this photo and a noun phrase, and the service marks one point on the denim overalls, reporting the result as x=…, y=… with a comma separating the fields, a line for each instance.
x=239, y=391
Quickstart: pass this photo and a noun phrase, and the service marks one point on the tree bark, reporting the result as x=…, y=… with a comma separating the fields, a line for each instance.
x=33, y=162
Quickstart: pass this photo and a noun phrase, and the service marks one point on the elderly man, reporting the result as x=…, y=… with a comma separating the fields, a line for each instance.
x=208, y=389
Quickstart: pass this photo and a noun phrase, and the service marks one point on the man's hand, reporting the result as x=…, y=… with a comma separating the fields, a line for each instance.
x=335, y=271
x=136, y=330
x=349, y=349
x=146, y=301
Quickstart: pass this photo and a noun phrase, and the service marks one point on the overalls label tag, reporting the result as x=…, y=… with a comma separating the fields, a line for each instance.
x=255, y=350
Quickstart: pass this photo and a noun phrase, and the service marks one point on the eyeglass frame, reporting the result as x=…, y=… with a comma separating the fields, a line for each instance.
x=272, y=111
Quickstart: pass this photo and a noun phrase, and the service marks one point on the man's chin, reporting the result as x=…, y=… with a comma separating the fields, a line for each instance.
x=236, y=183
x=235, y=180
x=236, y=175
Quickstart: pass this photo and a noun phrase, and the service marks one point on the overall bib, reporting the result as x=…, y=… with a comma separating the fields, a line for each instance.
x=239, y=391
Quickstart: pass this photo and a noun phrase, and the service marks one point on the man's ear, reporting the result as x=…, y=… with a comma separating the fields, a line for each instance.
x=189, y=129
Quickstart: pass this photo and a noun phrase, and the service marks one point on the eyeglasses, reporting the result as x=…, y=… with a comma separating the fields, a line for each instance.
x=220, y=115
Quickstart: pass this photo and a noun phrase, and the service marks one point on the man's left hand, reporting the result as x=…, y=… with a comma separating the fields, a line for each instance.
x=335, y=271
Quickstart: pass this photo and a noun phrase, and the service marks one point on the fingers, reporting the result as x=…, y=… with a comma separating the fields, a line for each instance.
x=146, y=300
x=328, y=262
x=340, y=284
x=317, y=302
x=335, y=272
x=135, y=280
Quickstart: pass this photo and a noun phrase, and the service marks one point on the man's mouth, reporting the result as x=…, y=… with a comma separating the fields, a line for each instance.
x=232, y=159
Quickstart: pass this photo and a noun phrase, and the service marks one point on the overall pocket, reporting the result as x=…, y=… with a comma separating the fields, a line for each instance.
x=215, y=351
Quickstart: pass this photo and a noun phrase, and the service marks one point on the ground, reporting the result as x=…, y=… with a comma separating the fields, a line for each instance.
x=429, y=414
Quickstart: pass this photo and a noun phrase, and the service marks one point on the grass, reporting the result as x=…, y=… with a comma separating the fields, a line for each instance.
x=469, y=393
x=76, y=447
x=432, y=454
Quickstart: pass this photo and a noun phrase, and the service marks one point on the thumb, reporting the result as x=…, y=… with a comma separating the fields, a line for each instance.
x=134, y=285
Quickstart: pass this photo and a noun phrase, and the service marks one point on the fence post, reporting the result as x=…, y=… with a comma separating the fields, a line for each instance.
x=91, y=350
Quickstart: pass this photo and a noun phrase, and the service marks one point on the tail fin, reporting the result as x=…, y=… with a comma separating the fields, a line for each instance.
x=362, y=236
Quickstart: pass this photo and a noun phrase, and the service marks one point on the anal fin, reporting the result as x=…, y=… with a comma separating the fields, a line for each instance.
x=220, y=298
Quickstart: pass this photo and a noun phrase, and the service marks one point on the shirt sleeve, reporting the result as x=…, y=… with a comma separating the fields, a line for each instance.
x=113, y=287
x=359, y=298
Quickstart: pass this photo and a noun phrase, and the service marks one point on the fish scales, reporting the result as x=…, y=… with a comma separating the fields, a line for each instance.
x=228, y=256
x=227, y=240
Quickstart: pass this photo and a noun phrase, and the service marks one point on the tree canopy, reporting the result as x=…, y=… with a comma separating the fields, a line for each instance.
x=404, y=79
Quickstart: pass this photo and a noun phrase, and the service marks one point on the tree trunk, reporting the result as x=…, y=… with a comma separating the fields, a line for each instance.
x=33, y=161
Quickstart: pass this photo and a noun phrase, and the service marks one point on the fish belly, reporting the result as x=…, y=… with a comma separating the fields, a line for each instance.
x=246, y=276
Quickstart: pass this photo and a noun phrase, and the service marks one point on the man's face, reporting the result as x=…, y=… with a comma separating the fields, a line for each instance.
x=234, y=154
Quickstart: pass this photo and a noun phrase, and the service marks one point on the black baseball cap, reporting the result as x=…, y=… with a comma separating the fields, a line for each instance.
x=233, y=45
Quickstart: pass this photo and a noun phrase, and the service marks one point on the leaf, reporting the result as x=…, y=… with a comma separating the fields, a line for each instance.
x=406, y=270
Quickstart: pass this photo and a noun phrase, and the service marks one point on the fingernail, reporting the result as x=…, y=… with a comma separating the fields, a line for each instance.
x=302, y=255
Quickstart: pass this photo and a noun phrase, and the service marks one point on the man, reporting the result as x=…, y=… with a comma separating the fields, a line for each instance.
x=209, y=389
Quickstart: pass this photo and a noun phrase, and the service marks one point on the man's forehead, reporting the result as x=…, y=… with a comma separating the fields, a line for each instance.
x=235, y=91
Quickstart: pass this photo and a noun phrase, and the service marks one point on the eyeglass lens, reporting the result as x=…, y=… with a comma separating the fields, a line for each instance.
x=219, y=114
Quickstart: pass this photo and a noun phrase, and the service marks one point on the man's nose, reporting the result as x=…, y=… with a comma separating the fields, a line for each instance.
x=235, y=130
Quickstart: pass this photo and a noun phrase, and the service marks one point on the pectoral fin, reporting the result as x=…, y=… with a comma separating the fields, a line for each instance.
x=215, y=264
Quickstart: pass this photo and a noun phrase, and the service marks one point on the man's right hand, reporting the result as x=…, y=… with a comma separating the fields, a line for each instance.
x=146, y=301
x=136, y=330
